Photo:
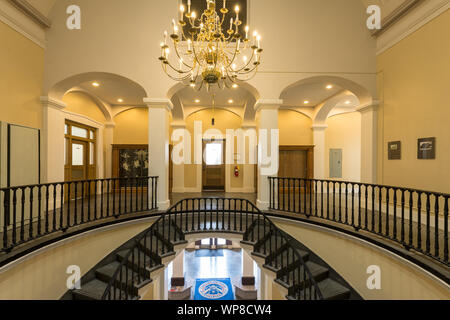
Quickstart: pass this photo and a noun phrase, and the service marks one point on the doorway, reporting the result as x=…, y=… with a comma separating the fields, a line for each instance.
x=213, y=168
x=296, y=162
x=80, y=147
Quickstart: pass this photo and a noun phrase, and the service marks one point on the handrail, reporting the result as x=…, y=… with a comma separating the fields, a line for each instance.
x=31, y=212
x=230, y=215
x=416, y=219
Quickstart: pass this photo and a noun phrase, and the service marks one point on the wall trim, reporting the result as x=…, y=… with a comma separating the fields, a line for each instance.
x=31, y=12
x=417, y=18
x=18, y=21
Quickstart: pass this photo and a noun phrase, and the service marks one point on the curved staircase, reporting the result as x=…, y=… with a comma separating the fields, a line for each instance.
x=123, y=273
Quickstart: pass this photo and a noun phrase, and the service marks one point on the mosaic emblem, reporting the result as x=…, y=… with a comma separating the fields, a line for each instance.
x=213, y=289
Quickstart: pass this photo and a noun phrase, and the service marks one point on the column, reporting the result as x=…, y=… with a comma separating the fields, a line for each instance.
x=108, y=141
x=52, y=140
x=178, y=271
x=180, y=139
x=248, y=270
x=369, y=123
x=319, y=150
x=250, y=152
x=158, y=146
x=268, y=150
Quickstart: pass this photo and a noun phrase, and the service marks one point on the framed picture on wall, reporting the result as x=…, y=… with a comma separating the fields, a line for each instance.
x=426, y=148
x=395, y=150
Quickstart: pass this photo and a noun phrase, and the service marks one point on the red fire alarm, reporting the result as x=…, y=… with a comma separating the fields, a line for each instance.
x=236, y=171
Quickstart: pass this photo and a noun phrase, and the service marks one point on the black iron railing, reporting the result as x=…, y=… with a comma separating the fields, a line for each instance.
x=192, y=216
x=416, y=219
x=32, y=212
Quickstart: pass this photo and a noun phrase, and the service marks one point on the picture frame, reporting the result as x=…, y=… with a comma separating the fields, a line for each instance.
x=426, y=149
x=395, y=150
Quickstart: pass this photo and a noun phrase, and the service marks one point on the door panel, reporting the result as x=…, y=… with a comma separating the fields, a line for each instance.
x=213, y=165
x=336, y=163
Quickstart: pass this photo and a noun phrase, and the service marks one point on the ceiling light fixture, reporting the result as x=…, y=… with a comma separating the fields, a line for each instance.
x=230, y=101
x=306, y=102
x=347, y=102
x=235, y=85
x=95, y=84
x=215, y=51
x=120, y=100
x=329, y=87
x=197, y=101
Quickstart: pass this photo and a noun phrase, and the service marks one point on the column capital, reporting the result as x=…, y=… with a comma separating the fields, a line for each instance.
x=110, y=125
x=178, y=125
x=369, y=107
x=52, y=103
x=319, y=127
x=268, y=104
x=159, y=103
x=248, y=125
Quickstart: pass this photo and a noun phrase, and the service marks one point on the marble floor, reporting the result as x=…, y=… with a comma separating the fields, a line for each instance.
x=229, y=265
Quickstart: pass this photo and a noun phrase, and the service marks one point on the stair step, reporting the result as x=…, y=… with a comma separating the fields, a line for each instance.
x=129, y=276
x=331, y=290
x=318, y=273
x=281, y=260
x=149, y=263
x=94, y=290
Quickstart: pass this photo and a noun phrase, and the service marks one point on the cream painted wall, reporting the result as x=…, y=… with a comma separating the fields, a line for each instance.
x=81, y=103
x=224, y=120
x=43, y=276
x=344, y=132
x=295, y=129
x=131, y=127
x=346, y=48
x=413, y=79
x=351, y=258
x=22, y=69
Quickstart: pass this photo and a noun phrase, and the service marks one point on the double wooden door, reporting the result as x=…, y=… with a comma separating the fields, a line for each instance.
x=296, y=162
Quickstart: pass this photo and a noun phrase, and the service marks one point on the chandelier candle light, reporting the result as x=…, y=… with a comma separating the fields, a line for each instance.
x=208, y=51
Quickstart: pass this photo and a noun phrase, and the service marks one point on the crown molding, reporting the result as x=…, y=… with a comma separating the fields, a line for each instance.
x=268, y=104
x=32, y=12
x=18, y=21
x=419, y=15
x=159, y=103
x=52, y=103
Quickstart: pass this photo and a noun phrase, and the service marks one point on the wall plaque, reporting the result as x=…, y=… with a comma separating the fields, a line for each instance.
x=395, y=150
x=426, y=148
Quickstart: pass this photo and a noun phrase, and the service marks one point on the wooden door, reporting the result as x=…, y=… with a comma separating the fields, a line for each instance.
x=213, y=169
x=296, y=162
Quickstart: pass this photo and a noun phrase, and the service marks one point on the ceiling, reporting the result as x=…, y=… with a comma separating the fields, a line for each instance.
x=188, y=96
x=314, y=93
x=112, y=88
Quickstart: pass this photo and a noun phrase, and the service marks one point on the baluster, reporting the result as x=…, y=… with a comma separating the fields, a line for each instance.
x=373, y=209
x=328, y=201
x=125, y=205
x=22, y=215
x=428, y=240
x=334, y=201
x=30, y=231
x=380, y=208
x=403, y=218
x=321, y=199
x=446, y=229
x=120, y=198
x=47, y=196
x=95, y=200
x=359, y=206
x=6, y=217
x=366, y=195
x=419, y=221
x=310, y=197
x=395, y=214
x=436, y=226
x=315, y=198
x=14, y=230
x=387, y=211
x=102, y=195
x=54, y=208
x=61, y=210
x=411, y=198
x=353, y=205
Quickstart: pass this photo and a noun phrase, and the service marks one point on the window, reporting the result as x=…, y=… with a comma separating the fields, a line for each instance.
x=213, y=154
x=206, y=242
x=77, y=154
x=79, y=132
x=221, y=242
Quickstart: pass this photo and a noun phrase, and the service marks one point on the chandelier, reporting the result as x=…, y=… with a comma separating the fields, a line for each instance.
x=209, y=49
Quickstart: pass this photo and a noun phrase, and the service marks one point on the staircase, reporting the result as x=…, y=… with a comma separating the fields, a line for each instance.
x=286, y=258
x=122, y=274
x=132, y=265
